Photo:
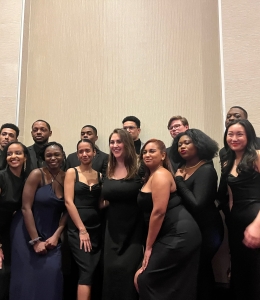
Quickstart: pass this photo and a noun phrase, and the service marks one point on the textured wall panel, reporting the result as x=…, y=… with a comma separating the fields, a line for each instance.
x=241, y=46
x=99, y=61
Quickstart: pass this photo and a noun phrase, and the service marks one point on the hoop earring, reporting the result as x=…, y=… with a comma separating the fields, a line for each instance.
x=24, y=166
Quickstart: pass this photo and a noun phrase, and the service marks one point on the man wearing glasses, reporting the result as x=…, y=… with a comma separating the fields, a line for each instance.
x=176, y=125
x=132, y=125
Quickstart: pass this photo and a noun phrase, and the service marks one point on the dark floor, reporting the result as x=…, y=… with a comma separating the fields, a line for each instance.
x=222, y=291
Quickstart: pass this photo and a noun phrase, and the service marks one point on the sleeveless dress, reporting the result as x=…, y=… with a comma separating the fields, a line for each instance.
x=35, y=276
x=10, y=201
x=86, y=199
x=245, y=262
x=173, y=265
x=123, y=238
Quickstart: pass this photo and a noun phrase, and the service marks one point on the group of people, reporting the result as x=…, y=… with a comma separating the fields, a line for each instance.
x=139, y=223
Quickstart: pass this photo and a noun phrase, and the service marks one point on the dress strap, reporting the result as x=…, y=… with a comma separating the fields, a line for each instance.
x=77, y=174
x=43, y=179
x=100, y=179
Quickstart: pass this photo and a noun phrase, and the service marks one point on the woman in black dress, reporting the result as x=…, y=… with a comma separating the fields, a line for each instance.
x=124, y=235
x=196, y=181
x=82, y=194
x=12, y=180
x=241, y=168
x=171, y=258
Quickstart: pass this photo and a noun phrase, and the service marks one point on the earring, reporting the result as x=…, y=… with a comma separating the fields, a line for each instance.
x=24, y=166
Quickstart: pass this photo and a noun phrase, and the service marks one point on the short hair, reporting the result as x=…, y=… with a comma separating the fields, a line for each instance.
x=130, y=158
x=166, y=162
x=207, y=148
x=239, y=107
x=86, y=141
x=92, y=127
x=47, y=124
x=11, y=126
x=132, y=119
x=26, y=169
x=247, y=162
x=183, y=120
x=43, y=149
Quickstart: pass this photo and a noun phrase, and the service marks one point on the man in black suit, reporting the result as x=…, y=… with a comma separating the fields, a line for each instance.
x=41, y=131
x=8, y=133
x=234, y=113
x=100, y=160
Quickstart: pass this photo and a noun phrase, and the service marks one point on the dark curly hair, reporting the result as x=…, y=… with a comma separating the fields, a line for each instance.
x=247, y=162
x=207, y=148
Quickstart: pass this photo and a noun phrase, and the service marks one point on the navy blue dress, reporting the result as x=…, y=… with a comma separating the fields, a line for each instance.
x=35, y=276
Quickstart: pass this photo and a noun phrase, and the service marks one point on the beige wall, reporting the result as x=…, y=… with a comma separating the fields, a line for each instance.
x=241, y=48
x=10, y=32
x=99, y=61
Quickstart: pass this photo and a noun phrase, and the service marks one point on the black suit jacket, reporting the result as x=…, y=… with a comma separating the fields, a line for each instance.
x=99, y=162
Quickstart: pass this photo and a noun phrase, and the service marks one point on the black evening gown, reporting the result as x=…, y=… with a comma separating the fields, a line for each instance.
x=86, y=199
x=245, y=262
x=123, y=239
x=173, y=265
x=10, y=201
x=35, y=276
x=198, y=194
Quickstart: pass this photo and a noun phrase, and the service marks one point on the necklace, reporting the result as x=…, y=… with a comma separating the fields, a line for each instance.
x=185, y=168
x=53, y=176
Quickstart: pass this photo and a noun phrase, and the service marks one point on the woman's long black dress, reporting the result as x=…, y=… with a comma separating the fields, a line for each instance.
x=173, y=265
x=10, y=201
x=123, y=238
x=198, y=194
x=86, y=199
x=35, y=276
x=245, y=262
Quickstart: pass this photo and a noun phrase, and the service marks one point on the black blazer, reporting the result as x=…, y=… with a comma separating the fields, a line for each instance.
x=99, y=162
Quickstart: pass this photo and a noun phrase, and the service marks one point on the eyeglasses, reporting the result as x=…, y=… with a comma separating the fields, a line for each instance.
x=175, y=127
x=129, y=127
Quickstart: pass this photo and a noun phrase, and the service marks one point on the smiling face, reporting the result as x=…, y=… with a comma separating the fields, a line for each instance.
x=53, y=156
x=186, y=148
x=152, y=156
x=40, y=133
x=85, y=153
x=116, y=146
x=237, y=138
x=15, y=156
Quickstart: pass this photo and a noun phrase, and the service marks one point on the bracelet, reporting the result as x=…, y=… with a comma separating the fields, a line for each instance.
x=33, y=242
x=83, y=231
x=1, y=245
